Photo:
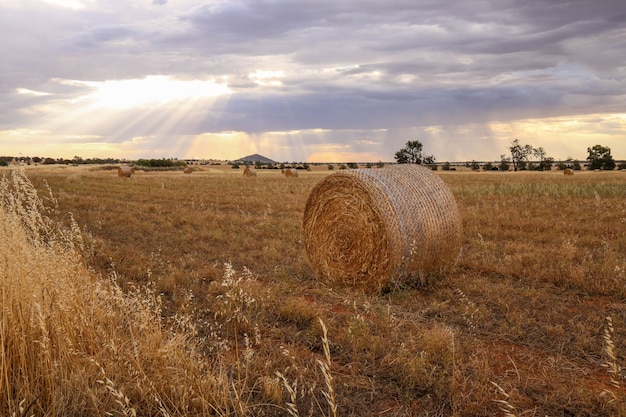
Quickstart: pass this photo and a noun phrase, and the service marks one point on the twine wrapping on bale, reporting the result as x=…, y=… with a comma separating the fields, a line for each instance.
x=125, y=171
x=373, y=227
x=249, y=172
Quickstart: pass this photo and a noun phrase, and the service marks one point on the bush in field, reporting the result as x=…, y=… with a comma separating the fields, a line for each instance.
x=504, y=163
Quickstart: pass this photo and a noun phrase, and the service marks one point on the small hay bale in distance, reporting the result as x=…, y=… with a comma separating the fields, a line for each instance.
x=188, y=170
x=125, y=171
x=370, y=228
x=290, y=172
x=249, y=172
x=568, y=171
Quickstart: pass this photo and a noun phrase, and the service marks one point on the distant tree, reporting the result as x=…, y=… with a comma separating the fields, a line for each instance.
x=474, y=165
x=331, y=167
x=519, y=154
x=380, y=164
x=576, y=165
x=545, y=162
x=488, y=166
x=600, y=158
x=504, y=163
x=352, y=165
x=621, y=165
x=160, y=163
x=445, y=166
x=412, y=154
x=342, y=166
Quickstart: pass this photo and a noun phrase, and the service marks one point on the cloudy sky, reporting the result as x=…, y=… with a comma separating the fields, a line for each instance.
x=318, y=80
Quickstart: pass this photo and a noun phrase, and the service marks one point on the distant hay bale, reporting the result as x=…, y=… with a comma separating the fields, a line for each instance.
x=249, y=172
x=125, y=171
x=188, y=170
x=369, y=228
x=568, y=171
x=291, y=172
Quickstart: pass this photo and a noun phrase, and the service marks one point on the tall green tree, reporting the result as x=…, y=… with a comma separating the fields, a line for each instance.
x=600, y=158
x=519, y=154
x=412, y=153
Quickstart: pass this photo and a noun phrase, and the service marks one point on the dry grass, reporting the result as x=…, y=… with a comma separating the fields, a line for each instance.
x=541, y=267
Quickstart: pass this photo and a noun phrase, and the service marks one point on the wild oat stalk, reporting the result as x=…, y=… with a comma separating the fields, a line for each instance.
x=611, y=363
x=325, y=367
x=505, y=405
x=292, y=409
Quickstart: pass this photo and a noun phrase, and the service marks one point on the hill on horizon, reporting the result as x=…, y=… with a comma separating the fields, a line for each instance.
x=256, y=158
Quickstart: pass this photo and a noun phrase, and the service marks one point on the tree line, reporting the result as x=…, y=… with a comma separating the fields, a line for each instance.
x=599, y=157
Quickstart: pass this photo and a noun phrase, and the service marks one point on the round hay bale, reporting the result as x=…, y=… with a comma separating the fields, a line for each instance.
x=188, y=170
x=568, y=171
x=291, y=172
x=249, y=172
x=373, y=227
x=125, y=171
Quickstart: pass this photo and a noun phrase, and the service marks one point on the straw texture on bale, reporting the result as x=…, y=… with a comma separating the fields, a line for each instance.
x=373, y=227
x=568, y=171
x=249, y=172
x=188, y=170
x=125, y=171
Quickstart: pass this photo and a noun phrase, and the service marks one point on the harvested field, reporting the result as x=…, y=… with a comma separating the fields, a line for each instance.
x=520, y=318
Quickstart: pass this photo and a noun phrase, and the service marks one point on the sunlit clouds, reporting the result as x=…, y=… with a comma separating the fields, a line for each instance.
x=267, y=78
x=152, y=90
x=318, y=81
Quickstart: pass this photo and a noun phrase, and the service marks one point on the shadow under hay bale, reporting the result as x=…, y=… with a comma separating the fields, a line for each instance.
x=373, y=227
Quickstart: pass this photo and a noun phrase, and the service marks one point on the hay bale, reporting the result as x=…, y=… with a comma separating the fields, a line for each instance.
x=568, y=171
x=291, y=172
x=249, y=172
x=188, y=170
x=125, y=171
x=370, y=228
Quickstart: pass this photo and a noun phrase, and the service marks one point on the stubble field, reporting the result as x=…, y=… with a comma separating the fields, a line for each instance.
x=520, y=324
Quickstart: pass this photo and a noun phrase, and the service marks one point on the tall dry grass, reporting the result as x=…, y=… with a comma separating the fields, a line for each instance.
x=74, y=344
